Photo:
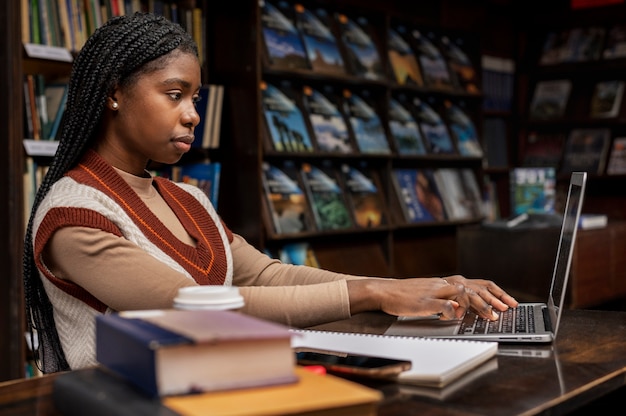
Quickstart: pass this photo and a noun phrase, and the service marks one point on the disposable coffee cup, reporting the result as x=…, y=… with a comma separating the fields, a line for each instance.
x=209, y=297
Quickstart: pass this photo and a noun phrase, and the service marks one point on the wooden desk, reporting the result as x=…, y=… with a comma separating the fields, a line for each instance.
x=584, y=366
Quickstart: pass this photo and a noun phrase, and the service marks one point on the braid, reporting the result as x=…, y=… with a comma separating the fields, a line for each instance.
x=117, y=53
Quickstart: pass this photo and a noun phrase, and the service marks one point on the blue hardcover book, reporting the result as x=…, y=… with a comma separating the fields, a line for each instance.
x=203, y=111
x=434, y=129
x=362, y=55
x=325, y=197
x=405, y=130
x=418, y=195
x=367, y=128
x=170, y=352
x=284, y=119
x=327, y=122
x=283, y=43
x=206, y=176
x=320, y=42
x=463, y=130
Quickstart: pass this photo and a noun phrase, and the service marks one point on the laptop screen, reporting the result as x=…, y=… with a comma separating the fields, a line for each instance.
x=565, y=249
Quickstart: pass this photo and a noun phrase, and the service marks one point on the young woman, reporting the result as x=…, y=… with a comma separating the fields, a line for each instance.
x=105, y=236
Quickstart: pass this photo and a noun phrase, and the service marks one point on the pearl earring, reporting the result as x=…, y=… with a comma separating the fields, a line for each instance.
x=115, y=105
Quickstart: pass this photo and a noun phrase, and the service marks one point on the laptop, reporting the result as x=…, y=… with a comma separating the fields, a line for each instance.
x=529, y=322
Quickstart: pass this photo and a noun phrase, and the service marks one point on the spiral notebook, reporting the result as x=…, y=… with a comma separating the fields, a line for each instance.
x=434, y=362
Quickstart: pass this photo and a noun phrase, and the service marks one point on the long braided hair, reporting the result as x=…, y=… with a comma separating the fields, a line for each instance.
x=115, y=55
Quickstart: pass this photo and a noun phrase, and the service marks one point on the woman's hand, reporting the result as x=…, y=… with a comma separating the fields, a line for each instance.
x=448, y=297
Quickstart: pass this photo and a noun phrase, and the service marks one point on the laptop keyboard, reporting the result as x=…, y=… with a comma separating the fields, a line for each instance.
x=518, y=320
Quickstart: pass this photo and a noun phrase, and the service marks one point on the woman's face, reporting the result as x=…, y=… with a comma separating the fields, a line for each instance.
x=155, y=116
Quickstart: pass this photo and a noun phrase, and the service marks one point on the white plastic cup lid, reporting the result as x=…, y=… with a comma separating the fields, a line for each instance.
x=209, y=297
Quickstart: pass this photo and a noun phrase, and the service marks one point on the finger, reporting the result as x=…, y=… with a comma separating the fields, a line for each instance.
x=449, y=310
x=482, y=307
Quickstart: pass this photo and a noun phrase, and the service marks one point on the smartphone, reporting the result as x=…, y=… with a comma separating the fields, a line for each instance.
x=351, y=364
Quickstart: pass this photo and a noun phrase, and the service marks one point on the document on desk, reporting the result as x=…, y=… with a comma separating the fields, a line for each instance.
x=434, y=362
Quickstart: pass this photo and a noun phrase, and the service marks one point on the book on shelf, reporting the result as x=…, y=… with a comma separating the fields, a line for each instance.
x=432, y=62
x=205, y=175
x=417, y=193
x=56, y=97
x=606, y=99
x=320, y=42
x=459, y=192
x=584, y=44
x=365, y=196
x=326, y=197
x=554, y=47
x=461, y=67
x=463, y=130
x=434, y=130
x=284, y=48
x=586, y=150
x=299, y=253
x=284, y=119
x=589, y=221
x=549, y=100
x=402, y=59
x=168, y=352
x=367, y=127
x=617, y=158
x=98, y=392
x=533, y=190
x=496, y=143
x=615, y=46
x=328, y=124
x=404, y=129
x=498, y=80
x=286, y=201
x=359, y=42
x=543, y=149
x=434, y=362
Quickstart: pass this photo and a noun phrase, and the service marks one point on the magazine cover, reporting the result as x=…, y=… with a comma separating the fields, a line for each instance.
x=320, y=42
x=418, y=195
x=402, y=59
x=584, y=44
x=606, y=99
x=325, y=197
x=615, y=47
x=617, y=159
x=285, y=199
x=405, y=130
x=365, y=197
x=434, y=130
x=283, y=45
x=368, y=130
x=362, y=54
x=550, y=99
x=533, y=190
x=459, y=63
x=329, y=126
x=543, y=149
x=463, y=130
x=554, y=47
x=285, y=122
x=433, y=64
x=586, y=150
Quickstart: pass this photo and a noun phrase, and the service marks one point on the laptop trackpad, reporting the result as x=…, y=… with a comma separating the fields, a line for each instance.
x=423, y=327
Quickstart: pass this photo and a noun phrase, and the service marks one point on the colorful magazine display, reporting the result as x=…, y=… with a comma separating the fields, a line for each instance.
x=606, y=99
x=368, y=130
x=325, y=197
x=434, y=129
x=285, y=199
x=418, y=195
x=362, y=55
x=550, y=99
x=463, y=130
x=365, y=197
x=283, y=44
x=320, y=42
x=459, y=192
x=405, y=130
x=285, y=122
x=460, y=65
x=434, y=68
x=533, y=190
x=329, y=126
x=402, y=59
x=615, y=47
